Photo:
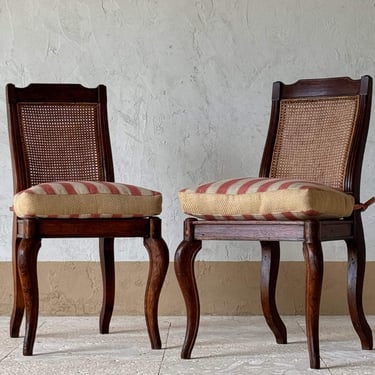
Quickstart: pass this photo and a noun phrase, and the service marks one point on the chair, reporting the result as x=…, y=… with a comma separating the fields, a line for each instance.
x=308, y=190
x=64, y=187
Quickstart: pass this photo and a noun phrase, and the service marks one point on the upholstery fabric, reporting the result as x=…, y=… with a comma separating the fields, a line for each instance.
x=265, y=199
x=86, y=199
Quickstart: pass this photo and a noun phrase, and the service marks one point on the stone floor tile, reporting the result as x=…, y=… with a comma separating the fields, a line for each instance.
x=225, y=345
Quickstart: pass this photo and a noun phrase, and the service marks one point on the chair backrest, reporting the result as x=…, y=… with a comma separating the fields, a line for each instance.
x=58, y=132
x=318, y=130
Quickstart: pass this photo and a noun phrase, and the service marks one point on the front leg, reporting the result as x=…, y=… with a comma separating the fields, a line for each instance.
x=313, y=255
x=18, y=302
x=184, y=268
x=159, y=262
x=27, y=267
x=107, y=263
x=356, y=274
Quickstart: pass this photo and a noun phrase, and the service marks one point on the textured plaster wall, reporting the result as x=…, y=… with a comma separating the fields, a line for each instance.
x=189, y=88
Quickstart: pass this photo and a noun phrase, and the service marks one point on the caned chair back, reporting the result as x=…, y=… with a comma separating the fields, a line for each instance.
x=319, y=134
x=58, y=132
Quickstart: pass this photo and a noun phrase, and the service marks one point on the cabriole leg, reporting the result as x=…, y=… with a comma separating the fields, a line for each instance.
x=18, y=302
x=27, y=267
x=107, y=262
x=159, y=261
x=314, y=276
x=184, y=268
x=269, y=272
x=356, y=274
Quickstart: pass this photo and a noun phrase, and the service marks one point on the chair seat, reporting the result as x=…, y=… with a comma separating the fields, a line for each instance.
x=86, y=199
x=265, y=199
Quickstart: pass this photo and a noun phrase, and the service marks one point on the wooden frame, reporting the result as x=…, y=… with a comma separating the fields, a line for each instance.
x=311, y=232
x=29, y=232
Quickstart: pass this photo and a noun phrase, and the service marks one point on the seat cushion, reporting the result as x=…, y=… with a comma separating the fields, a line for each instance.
x=84, y=199
x=265, y=199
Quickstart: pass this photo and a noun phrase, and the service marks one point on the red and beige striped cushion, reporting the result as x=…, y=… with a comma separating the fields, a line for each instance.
x=265, y=199
x=85, y=199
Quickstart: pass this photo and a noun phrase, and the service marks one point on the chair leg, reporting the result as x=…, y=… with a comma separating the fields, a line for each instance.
x=184, y=268
x=269, y=272
x=159, y=261
x=356, y=273
x=18, y=302
x=314, y=276
x=27, y=267
x=107, y=262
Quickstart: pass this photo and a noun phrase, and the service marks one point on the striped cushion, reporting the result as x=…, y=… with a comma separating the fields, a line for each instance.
x=265, y=199
x=84, y=199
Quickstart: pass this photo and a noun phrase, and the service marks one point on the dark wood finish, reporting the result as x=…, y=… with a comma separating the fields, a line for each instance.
x=29, y=232
x=270, y=269
x=184, y=267
x=107, y=262
x=312, y=252
x=310, y=233
x=158, y=254
x=356, y=272
x=18, y=303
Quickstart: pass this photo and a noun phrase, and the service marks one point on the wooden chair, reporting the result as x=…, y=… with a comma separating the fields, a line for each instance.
x=308, y=190
x=64, y=187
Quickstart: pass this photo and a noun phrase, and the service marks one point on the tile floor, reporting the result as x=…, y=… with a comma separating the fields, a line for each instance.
x=225, y=345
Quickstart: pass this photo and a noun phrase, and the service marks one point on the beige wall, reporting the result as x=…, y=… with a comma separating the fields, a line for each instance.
x=226, y=288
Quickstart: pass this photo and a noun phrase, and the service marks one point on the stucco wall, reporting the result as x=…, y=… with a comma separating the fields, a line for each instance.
x=189, y=88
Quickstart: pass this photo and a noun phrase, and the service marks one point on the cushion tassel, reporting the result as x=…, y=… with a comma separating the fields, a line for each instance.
x=364, y=206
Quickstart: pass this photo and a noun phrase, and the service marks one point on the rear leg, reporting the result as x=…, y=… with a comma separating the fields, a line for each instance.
x=269, y=272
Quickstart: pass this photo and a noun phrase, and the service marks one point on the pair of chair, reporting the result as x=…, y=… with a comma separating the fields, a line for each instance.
x=308, y=190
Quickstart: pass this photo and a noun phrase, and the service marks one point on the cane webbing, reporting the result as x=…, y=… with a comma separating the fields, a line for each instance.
x=59, y=141
x=313, y=139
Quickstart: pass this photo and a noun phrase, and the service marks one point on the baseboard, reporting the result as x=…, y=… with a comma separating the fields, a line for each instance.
x=226, y=288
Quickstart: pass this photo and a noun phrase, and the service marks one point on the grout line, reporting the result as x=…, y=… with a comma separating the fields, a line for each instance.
x=8, y=354
x=165, y=348
x=326, y=365
x=301, y=326
x=321, y=359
